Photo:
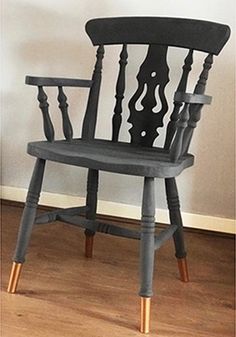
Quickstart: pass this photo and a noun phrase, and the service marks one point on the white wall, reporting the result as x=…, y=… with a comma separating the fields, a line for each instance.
x=47, y=38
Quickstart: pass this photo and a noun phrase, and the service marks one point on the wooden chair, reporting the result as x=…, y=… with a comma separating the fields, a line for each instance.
x=139, y=157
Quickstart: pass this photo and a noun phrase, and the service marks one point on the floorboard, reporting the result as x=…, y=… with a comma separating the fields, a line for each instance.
x=61, y=293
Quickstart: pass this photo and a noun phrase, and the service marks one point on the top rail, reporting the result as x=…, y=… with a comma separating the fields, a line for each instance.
x=206, y=36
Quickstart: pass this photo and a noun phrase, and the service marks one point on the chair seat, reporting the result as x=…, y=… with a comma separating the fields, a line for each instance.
x=108, y=156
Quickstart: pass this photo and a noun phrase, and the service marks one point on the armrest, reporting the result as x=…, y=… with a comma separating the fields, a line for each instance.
x=187, y=122
x=41, y=82
x=57, y=82
x=192, y=98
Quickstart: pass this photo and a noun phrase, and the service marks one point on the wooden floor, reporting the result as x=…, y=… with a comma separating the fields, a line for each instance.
x=63, y=294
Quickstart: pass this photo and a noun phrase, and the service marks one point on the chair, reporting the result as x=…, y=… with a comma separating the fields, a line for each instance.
x=139, y=157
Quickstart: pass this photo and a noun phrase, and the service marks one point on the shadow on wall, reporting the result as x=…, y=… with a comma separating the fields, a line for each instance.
x=44, y=41
x=213, y=142
x=38, y=41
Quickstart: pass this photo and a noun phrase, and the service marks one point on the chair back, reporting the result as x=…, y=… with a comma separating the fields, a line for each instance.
x=159, y=34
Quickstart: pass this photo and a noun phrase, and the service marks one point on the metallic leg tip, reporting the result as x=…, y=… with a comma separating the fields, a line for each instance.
x=145, y=314
x=183, y=269
x=89, y=246
x=14, y=277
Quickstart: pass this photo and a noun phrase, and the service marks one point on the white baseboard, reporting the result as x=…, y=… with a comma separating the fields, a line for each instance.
x=191, y=220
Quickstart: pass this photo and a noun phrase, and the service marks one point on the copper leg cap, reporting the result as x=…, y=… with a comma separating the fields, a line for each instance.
x=89, y=245
x=183, y=269
x=145, y=314
x=14, y=277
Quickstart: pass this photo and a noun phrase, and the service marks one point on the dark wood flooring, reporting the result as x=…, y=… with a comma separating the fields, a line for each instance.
x=63, y=294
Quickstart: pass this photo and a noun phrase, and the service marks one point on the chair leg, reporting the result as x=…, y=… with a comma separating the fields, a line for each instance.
x=175, y=218
x=26, y=225
x=91, y=202
x=89, y=238
x=147, y=252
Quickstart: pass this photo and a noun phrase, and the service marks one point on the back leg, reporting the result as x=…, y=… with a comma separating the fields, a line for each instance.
x=26, y=225
x=176, y=219
x=91, y=202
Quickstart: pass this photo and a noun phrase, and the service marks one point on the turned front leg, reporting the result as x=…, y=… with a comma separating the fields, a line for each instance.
x=26, y=225
x=147, y=251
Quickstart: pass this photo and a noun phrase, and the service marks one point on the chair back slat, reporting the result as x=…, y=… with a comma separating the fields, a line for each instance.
x=201, y=84
x=63, y=105
x=153, y=73
x=120, y=88
x=44, y=106
x=171, y=127
x=90, y=118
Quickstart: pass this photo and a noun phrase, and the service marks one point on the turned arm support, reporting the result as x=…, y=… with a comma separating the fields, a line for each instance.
x=41, y=82
x=181, y=125
x=187, y=121
x=57, y=82
x=191, y=113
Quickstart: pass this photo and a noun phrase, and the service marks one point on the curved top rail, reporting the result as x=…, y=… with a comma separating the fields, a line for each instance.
x=200, y=35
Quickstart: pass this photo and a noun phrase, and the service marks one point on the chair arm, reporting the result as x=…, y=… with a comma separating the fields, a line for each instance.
x=187, y=122
x=57, y=82
x=41, y=82
x=192, y=98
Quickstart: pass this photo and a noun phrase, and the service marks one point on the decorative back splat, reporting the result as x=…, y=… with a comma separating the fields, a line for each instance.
x=153, y=72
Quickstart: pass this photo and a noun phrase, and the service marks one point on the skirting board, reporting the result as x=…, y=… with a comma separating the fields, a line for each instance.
x=191, y=220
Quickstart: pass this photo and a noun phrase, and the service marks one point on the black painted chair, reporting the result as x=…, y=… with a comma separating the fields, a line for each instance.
x=139, y=157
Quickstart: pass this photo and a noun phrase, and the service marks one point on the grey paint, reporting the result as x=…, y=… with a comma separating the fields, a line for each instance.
x=199, y=194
